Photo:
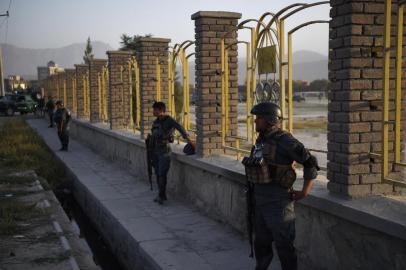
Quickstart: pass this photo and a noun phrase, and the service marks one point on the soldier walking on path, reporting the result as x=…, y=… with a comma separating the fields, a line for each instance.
x=50, y=107
x=160, y=138
x=270, y=174
x=62, y=120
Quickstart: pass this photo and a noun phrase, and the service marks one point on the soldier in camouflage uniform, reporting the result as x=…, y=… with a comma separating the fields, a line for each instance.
x=161, y=136
x=270, y=171
x=62, y=119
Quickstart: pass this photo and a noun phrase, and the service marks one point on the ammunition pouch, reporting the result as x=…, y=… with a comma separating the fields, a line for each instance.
x=259, y=171
x=285, y=175
x=256, y=170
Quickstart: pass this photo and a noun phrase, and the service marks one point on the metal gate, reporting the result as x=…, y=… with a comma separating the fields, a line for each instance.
x=265, y=70
x=179, y=88
x=386, y=97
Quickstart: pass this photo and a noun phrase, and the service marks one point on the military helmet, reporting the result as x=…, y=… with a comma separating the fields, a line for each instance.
x=189, y=149
x=270, y=110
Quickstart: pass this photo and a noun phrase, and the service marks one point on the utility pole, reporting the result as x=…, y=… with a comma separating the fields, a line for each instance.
x=2, y=89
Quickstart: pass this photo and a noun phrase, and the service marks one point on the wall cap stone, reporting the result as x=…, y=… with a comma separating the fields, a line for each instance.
x=216, y=14
x=152, y=39
x=119, y=52
x=81, y=66
x=98, y=61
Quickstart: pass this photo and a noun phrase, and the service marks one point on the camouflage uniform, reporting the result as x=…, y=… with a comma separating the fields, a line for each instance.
x=50, y=107
x=62, y=118
x=161, y=135
x=274, y=208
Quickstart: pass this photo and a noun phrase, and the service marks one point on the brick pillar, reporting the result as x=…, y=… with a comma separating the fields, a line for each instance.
x=148, y=51
x=119, y=89
x=210, y=26
x=355, y=108
x=81, y=72
x=95, y=70
x=61, y=82
x=70, y=76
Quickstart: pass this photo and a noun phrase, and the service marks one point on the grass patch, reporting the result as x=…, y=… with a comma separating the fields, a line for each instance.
x=15, y=180
x=11, y=212
x=22, y=149
x=311, y=124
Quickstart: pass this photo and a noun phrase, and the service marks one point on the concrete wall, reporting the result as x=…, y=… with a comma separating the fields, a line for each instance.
x=367, y=233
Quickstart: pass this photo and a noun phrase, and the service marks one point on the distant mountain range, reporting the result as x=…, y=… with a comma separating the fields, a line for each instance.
x=24, y=61
x=307, y=65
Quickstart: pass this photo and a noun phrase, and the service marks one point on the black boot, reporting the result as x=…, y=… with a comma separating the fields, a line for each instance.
x=159, y=199
x=162, y=188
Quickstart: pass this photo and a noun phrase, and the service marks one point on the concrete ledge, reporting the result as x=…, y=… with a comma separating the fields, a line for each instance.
x=378, y=212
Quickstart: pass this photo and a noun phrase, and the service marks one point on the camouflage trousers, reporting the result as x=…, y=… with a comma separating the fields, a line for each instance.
x=275, y=223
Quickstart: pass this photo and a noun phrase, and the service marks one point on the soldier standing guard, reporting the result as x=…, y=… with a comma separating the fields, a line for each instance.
x=270, y=173
x=62, y=119
x=50, y=107
x=160, y=138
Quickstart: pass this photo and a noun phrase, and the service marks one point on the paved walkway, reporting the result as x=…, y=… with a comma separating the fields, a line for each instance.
x=173, y=236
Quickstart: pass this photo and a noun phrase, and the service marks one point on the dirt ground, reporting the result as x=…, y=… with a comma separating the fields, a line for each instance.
x=35, y=233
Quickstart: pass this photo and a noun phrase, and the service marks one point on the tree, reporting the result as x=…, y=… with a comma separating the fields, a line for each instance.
x=128, y=43
x=319, y=85
x=88, y=52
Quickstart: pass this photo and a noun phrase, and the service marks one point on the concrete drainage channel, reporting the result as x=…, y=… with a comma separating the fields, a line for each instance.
x=102, y=255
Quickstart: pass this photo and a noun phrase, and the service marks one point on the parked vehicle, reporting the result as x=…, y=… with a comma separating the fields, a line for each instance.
x=25, y=104
x=22, y=103
x=7, y=105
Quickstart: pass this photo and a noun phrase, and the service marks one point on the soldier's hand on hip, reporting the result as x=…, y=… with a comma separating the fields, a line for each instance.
x=297, y=195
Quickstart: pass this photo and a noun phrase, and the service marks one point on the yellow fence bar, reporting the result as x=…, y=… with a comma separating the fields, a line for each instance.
x=254, y=81
x=248, y=90
x=385, y=110
x=57, y=89
x=84, y=93
x=399, y=61
x=282, y=64
x=64, y=92
x=223, y=85
x=227, y=94
x=171, y=96
x=105, y=93
x=138, y=95
x=290, y=84
x=186, y=105
x=185, y=84
x=131, y=92
x=158, y=79
x=74, y=96
x=99, y=91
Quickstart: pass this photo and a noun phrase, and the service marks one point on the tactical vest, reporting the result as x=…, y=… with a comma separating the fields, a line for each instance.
x=261, y=166
x=160, y=137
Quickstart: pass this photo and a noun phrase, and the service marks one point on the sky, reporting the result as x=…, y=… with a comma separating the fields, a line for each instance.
x=58, y=23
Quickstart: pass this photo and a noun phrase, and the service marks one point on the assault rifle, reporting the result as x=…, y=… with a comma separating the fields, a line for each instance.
x=148, y=147
x=249, y=193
